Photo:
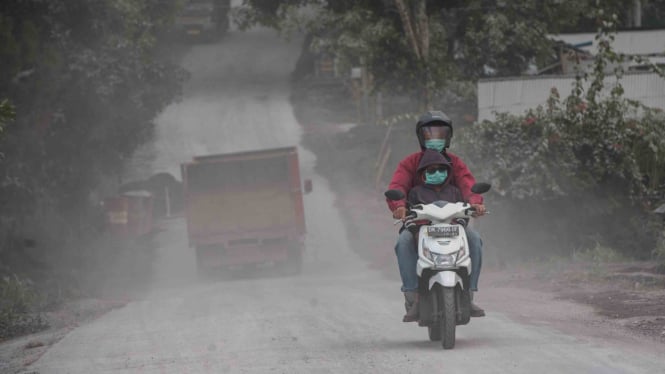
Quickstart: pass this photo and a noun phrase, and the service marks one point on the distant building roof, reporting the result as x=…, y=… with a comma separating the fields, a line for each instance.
x=638, y=42
x=660, y=209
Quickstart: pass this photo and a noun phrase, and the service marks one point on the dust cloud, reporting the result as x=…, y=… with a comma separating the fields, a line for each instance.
x=236, y=100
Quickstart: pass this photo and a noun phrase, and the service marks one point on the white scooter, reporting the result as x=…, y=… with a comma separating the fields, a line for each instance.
x=444, y=265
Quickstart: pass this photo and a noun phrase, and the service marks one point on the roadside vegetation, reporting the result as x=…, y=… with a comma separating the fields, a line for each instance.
x=433, y=52
x=583, y=171
x=80, y=83
x=19, y=307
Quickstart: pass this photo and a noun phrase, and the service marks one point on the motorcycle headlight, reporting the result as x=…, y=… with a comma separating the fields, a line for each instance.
x=443, y=260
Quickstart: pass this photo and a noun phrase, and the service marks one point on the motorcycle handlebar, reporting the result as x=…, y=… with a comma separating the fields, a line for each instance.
x=410, y=214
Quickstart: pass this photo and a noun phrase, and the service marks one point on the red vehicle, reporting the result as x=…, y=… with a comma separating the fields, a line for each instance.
x=245, y=209
x=129, y=215
x=207, y=19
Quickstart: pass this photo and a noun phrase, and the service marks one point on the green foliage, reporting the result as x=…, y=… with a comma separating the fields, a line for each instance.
x=467, y=39
x=599, y=254
x=659, y=250
x=597, y=258
x=7, y=114
x=587, y=141
x=86, y=81
x=592, y=160
x=571, y=146
x=504, y=40
x=17, y=308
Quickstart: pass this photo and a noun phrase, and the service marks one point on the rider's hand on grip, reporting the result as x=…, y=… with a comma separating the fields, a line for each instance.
x=399, y=213
x=478, y=210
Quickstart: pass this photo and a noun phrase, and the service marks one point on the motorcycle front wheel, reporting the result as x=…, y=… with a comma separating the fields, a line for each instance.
x=448, y=321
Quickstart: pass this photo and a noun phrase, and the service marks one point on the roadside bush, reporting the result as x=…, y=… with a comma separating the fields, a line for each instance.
x=6, y=113
x=599, y=254
x=17, y=308
x=659, y=251
x=588, y=167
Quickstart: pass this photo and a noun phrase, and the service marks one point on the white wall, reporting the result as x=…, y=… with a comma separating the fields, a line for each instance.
x=516, y=95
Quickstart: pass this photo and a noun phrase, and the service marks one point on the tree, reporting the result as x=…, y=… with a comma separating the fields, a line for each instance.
x=429, y=48
x=585, y=166
x=415, y=24
x=86, y=85
x=7, y=114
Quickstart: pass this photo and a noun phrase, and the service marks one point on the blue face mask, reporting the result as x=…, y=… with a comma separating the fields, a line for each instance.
x=437, y=177
x=435, y=144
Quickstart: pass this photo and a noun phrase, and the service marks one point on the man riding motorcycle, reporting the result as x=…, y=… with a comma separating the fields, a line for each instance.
x=434, y=130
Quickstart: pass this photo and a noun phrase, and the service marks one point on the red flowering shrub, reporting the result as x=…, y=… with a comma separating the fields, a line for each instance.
x=586, y=164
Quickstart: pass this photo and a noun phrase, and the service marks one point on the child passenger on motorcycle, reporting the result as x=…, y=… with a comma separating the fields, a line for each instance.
x=434, y=169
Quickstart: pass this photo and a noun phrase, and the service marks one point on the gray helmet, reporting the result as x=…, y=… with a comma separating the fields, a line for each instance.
x=433, y=118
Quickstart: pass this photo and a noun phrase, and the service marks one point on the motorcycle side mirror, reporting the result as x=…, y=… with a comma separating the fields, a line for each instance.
x=481, y=187
x=394, y=195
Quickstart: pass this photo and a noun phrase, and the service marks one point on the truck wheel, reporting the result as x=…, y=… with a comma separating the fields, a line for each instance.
x=202, y=271
x=293, y=264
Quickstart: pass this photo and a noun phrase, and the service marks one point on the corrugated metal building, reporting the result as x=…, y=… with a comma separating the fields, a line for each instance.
x=517, y=94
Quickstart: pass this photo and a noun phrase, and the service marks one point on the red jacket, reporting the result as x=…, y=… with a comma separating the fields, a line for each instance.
x=406, y=176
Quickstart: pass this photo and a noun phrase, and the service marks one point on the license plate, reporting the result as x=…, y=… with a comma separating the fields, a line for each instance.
x=443, y=231
x=193, y=32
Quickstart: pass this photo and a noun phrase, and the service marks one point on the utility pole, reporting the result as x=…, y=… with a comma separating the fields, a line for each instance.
x=637, y=13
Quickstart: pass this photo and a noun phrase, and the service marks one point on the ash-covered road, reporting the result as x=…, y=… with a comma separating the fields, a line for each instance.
x=338, y=316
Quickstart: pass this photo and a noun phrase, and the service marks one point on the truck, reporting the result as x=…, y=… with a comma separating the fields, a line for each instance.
x=245, y=209
x=203, y=19
x=129, y=215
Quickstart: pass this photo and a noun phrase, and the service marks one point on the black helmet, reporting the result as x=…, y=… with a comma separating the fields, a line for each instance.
x=434, y=118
